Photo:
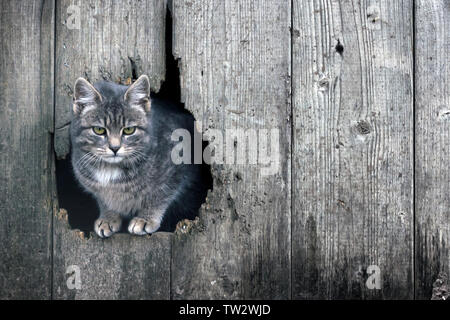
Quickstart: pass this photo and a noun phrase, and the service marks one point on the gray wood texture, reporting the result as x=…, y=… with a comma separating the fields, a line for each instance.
x=26, y=162
x=432, y=103
x=114, y=39
x=353, y=148
x=121, y=267
x=234, y=59
x=358, y=90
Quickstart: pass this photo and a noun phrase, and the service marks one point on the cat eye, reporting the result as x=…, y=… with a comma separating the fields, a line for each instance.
x=99, y=130
x=129, y=130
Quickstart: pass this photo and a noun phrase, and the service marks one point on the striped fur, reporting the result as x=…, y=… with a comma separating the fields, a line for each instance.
x=139, y=184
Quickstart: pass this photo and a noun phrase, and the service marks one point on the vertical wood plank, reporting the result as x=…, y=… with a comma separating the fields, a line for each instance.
x=352, y=151
x=121, y=267
x=432, y=102
x=26, y=115
x=234, y=58
x=117, y=40
x=114, y=39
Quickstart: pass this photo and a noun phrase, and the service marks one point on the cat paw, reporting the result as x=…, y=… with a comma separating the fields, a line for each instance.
x=107, y=226
x=141, y=226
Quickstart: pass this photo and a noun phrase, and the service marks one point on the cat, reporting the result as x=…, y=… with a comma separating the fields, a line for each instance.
x=121, y=154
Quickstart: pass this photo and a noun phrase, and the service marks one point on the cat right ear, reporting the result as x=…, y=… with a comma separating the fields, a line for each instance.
x=138, y=94
x=85, y=95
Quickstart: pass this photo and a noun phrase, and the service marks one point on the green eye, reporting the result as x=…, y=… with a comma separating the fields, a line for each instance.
x=129, y=130
x=99, y=130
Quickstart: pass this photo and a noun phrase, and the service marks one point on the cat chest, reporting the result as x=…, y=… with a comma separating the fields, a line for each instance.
x=115, y=191
x=108, y=176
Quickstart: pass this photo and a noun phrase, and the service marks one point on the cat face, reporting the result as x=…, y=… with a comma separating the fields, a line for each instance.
x=111, y=121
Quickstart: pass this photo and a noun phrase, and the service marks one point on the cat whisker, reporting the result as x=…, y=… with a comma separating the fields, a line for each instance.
x=84, y=160
x=83, y=157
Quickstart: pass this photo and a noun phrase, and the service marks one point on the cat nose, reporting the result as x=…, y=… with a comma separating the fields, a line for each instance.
x=114, y=149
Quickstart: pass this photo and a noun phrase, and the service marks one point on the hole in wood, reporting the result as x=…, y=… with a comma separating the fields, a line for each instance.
x=82, y=208
x=339, y=48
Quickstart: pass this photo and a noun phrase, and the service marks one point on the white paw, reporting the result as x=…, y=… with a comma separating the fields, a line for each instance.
x=141, y=226
x=106, y=227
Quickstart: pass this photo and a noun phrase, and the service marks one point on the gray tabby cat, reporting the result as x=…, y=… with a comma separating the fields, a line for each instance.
x=121, y=154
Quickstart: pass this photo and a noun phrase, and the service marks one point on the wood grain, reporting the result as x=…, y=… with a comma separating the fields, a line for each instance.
x=361, y=101
x=353, y=148
x=432, y=103
x=234, y=58
x=26, y=162
x=121, y=267
x=114, y=38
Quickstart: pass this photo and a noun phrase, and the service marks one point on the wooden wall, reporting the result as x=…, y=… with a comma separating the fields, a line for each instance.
x=359, y=94
x=432, y=136
x=26, y=157
x=353, y=148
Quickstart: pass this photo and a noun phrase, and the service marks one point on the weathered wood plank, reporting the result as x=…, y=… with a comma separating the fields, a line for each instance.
x=117, y=40
x=432, y=102
x=114, y=39
x=352, y=152
x=121, y=267
x=235, y=74
x=26, y=117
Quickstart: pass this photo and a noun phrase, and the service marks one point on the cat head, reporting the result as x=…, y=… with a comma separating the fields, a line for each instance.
x=110, y=121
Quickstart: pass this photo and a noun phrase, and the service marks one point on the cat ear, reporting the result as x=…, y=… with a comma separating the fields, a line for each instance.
x=138, y=94
x=85, y=95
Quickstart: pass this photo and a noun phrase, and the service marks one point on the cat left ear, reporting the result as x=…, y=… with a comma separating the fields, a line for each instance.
x=138, y=94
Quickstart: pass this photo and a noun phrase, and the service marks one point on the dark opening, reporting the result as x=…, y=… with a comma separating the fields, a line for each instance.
x=339, y=48
x=81, y=206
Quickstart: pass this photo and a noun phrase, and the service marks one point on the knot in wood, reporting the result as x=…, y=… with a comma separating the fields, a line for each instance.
x=363, y=127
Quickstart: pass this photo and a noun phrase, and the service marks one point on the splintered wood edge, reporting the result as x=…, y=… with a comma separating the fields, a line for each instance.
x=63, y=216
